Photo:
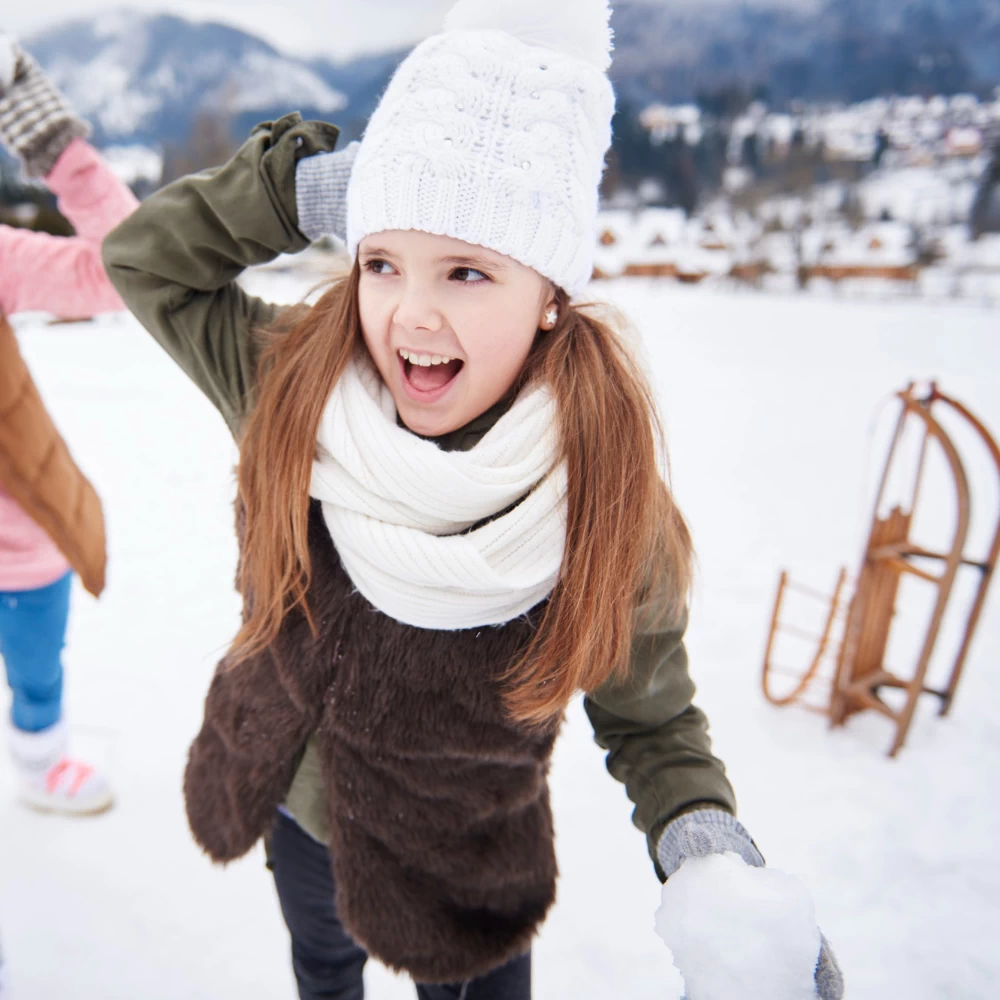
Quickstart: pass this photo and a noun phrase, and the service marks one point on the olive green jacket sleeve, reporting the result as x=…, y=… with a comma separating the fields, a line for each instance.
x=657, y=740
x=175, y=261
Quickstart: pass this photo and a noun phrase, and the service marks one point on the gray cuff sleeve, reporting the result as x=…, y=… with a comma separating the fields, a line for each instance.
x=321, y=192
x=703, y=832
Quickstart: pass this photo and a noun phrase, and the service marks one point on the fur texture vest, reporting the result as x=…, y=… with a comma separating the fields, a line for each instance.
x=441, y=832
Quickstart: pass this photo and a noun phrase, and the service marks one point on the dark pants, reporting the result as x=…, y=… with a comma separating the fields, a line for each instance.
x=327, y=963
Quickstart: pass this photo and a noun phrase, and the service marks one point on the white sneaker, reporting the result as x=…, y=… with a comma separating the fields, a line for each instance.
x=51, y=781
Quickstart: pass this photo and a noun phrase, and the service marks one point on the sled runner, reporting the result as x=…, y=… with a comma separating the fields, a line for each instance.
x=855, y=638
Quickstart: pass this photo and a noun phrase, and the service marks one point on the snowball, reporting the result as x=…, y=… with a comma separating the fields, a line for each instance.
x=739, y=933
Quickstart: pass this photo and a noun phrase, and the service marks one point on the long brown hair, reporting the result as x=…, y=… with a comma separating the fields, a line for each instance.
x=625, y=538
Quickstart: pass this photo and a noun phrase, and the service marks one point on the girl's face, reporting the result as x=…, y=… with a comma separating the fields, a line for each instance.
x=449, y=325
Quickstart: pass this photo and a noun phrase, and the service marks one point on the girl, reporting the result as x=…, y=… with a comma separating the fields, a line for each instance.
x=450, y=512
x=50, y=517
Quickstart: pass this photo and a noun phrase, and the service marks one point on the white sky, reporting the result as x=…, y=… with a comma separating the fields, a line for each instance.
x=308, y=27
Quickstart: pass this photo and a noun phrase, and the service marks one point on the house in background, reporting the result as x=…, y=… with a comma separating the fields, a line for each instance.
x=885, y=251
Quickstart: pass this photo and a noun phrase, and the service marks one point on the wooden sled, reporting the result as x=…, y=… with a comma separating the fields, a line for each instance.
x=859, y=646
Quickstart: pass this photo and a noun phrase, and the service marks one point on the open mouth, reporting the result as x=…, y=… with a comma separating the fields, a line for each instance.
x=428, y=376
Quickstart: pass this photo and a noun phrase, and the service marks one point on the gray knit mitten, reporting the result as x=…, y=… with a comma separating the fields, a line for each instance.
x=36, y=122
x=711, y=831
x=700, y=833
x=321, y=192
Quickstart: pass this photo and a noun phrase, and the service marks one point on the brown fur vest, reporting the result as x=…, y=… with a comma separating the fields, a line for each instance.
x=442, y=841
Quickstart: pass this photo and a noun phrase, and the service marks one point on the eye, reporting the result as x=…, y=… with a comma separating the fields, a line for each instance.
x=469, y=276
x=378, y=266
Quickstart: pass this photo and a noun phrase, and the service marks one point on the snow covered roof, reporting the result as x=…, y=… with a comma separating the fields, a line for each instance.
x=616, y=222
x=916, y=194
x=659, y=226
x=963, y=140
x=666, y=121
x=666, y=238
x=886, y=244
x=982, y=254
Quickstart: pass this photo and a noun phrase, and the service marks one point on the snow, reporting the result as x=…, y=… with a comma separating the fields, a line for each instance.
x=919, y=131
x=768, y=401
x=736, y=179
x=665, y=236
x=920, y=195
x=656, y=226
x=128, y=81
x=983, y=253
x=264, y=80
x=964, y=140
x=663, y=122
x=102, y=90
x=114, y=24
x=722, y=955
x=134, y=163
x=886, y=244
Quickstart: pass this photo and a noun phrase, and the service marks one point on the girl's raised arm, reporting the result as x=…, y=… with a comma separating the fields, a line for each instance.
x=175, y=261
x=62, y=275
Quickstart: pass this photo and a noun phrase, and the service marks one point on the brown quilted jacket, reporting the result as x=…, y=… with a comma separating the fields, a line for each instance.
x=38, y=471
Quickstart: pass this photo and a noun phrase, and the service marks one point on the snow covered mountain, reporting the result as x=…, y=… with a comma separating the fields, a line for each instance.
x=145, y=78
x=841, y=50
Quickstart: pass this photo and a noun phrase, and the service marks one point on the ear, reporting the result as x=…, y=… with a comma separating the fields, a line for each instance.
x=550, y=312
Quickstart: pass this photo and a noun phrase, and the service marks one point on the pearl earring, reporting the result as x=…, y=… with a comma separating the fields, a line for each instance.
x=551, y=316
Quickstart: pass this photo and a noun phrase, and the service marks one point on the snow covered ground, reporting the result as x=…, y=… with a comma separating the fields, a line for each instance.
x=768, y=401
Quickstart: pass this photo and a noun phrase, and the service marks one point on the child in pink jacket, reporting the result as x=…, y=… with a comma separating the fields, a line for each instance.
x=64, y=276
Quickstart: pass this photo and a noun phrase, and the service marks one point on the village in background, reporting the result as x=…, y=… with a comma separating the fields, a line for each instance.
x=892, y=196
x=738, y=158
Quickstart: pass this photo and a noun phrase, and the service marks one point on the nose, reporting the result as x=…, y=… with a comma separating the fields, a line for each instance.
x=417, y=310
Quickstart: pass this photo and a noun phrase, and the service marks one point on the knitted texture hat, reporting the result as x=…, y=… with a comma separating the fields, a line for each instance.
x=494, y=132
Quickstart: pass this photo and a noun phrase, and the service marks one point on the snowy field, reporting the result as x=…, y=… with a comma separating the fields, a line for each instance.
x=768, y=401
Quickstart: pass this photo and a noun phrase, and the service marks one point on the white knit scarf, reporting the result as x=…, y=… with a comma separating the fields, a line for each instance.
x=399, y=508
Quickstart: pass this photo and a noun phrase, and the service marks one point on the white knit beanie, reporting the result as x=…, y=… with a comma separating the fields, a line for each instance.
x=494, y=132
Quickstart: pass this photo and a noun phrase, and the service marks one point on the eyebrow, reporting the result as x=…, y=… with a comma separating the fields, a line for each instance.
x=456, y=261
x=460, y=261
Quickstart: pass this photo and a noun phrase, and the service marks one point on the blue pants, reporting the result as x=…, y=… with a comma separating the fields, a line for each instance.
x=32, y=635
x=327, y=962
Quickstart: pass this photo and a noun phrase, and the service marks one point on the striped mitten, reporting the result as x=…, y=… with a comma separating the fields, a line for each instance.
x=36, y=122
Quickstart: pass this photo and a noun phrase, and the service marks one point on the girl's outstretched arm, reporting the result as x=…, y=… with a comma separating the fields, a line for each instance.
x=175, y=261
x=62, y=275
x=657, y=739
x=660, y=750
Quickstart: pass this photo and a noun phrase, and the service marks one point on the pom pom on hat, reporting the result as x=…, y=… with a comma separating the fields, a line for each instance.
x=579, y=28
